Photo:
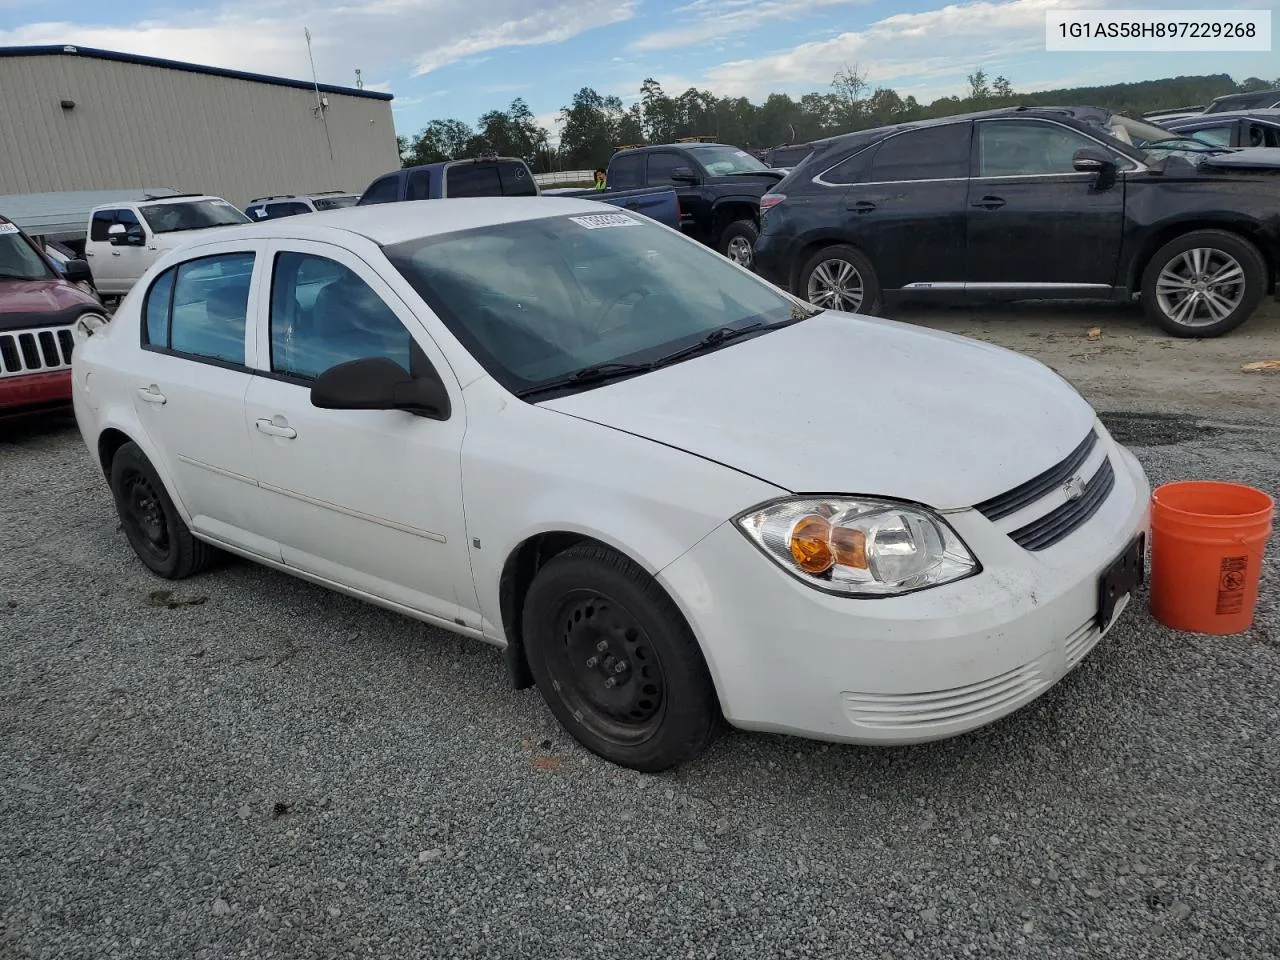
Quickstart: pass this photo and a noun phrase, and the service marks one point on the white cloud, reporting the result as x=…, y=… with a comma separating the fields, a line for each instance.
x=709, y=20
x=385, y=38
x=945, y=42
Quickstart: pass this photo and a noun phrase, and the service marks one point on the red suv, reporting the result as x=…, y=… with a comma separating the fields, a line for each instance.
x=39, y=307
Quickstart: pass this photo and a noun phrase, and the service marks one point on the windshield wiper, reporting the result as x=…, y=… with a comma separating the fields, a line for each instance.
x=1195, y=146
x=596, y=373
x=715, y=338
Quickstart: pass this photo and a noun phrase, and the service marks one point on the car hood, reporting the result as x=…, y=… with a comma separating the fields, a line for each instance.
x=1248, y=158
x=41, y=303
x=848, y=404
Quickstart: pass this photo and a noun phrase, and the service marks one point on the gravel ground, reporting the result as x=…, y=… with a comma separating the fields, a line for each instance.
x=253, y=767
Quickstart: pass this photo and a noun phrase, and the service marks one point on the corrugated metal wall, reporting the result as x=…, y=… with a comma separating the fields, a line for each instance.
x=136, y=125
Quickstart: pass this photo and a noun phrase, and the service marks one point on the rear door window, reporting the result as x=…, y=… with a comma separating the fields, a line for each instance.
x=419, y=187
x=472, y=180
x=102, y=221
x=382, y=191
x=199, y=308
x=627, y=173
x=934, y=153
x=516, y=180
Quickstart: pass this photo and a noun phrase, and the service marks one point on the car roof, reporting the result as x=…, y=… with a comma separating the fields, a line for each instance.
x=391, y=223
x=872, y=134
x=1253, y=96
x=1260, y=113
x=152, y=201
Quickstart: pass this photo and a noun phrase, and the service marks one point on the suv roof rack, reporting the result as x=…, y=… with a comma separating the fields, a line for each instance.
x=695, y=139
x=170, y=196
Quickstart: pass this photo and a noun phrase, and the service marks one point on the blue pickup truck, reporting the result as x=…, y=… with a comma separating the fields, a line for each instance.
x=505, y=177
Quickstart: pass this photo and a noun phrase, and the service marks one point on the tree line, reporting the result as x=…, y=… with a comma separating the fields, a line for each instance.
x=594, y=125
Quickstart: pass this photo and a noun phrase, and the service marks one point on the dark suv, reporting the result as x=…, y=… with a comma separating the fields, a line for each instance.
x=1037, y=203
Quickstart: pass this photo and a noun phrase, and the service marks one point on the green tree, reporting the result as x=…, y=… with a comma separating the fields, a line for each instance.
x=978, y=89
x=439, y=140
x=1002, y=88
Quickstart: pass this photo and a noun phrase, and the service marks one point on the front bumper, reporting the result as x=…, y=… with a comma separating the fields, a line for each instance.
x=35, y=392
x=929, y=665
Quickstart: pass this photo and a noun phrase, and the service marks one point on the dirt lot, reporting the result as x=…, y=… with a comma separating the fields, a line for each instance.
x=247, y=766
x=1131, y=365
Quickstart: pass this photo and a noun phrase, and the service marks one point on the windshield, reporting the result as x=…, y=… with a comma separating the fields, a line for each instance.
x=191, y=215
x=334, y=203
x=18, y=260
x=539, y=300
x=724, y=161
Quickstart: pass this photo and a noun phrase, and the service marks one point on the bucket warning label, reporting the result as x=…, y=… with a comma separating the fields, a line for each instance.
x=1231, y=584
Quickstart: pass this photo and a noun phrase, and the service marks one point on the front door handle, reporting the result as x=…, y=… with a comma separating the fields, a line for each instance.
x=273, y=429
x=151, y=394
x=115, y=253
x=862, y=206
x=989, y=203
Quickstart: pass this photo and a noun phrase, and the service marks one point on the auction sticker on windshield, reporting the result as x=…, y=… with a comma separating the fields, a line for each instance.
x=7, y=228
x=599, y=221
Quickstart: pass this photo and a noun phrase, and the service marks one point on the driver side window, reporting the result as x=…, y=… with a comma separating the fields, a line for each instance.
x=1027, y=148
x=323, y=314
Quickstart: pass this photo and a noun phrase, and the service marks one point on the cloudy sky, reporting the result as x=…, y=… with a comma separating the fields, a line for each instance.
x=458, y=58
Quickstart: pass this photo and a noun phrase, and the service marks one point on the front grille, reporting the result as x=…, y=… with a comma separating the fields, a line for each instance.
x=1080, y=643
x=1062, y=521
x=1035, y=488
x=973, y=702
x=35, y=351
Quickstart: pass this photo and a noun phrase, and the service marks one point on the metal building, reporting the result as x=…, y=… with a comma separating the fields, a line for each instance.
x=75, y=118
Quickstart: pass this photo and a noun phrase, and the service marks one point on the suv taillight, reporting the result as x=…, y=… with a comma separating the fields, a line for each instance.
x=771, y=200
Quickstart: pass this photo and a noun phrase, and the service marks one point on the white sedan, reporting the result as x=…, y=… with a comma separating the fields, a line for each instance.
x=673, y=494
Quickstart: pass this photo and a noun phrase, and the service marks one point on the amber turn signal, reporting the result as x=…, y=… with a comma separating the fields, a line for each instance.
x=811, y=544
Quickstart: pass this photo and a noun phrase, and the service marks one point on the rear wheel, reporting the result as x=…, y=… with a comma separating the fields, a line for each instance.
x=616, y=662
x=151, y=522
x=738, y=242
x=1204, y=283
x=840, y=278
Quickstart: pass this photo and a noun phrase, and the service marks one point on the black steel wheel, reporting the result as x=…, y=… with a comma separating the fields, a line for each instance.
x=616, y=662
x=152, y=524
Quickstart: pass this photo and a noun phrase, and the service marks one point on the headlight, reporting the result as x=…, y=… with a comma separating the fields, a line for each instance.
x=859, y=547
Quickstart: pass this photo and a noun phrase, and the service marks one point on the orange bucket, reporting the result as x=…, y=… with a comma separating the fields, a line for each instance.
x=1207, y=541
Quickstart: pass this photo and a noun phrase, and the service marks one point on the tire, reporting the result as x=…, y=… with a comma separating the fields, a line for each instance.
x=1203, y=254
x=661, y=709
x=828, y=267
x=151, y=523
x=738, y=241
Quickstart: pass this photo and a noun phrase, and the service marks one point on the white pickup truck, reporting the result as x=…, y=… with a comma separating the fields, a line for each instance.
x=124, y=239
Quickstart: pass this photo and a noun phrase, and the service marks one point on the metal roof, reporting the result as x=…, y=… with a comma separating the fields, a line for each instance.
x=67, y=212
x=74, y=50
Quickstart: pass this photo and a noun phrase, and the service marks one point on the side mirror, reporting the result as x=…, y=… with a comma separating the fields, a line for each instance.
x=1095, y=160
x=684, y=175
x=77, y=271
x=376, y=383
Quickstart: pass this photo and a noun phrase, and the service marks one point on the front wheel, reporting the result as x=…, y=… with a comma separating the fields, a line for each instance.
x=840, y=278
x=616, y=662
x=1203, y=284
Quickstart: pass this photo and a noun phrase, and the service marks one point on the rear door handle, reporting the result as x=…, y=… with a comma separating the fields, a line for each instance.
x=989, y=203
x=862, y=206
x=273, y=429
x=151, y=394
